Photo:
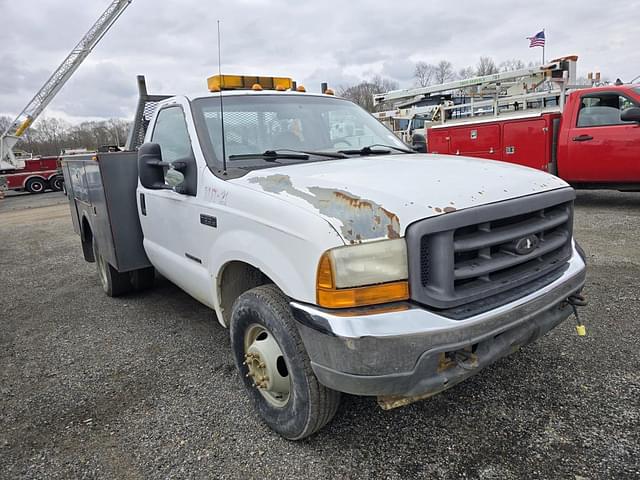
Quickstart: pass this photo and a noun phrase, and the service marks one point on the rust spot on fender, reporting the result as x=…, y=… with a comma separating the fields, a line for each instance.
x=449, y=209
x=361, y=219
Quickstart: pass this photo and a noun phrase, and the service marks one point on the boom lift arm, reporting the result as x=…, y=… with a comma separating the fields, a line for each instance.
x=494, y=92
x=53, y=85
x=552, y=70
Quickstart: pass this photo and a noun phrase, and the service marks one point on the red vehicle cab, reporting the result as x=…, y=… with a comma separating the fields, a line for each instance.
x=595, y=145
x=588, y=144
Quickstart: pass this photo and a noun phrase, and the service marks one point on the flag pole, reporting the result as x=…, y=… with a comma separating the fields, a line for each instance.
x=543, y=45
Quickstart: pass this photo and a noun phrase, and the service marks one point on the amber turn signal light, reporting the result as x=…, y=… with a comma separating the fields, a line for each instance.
x=330, y=297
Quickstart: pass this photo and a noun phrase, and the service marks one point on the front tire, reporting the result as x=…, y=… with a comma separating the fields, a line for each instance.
x=274, y=365
x=113, y=282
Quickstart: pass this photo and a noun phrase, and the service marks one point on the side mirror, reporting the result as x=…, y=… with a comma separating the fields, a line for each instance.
x=174, y=178
x=631, y=114
x=150, y=167
x=180, y=176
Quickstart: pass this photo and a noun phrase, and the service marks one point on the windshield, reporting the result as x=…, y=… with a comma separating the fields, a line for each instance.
x=254, y=124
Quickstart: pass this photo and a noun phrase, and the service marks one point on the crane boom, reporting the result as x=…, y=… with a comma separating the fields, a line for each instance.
x=56, y=81
x=552, y=69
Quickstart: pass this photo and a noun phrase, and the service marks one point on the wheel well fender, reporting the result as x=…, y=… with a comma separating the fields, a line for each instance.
x=271, y=257
x=86, y=236
x=235, y=278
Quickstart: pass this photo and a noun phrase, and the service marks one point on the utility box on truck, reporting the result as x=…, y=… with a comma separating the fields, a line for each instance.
x=524, y=141
x=102, y=195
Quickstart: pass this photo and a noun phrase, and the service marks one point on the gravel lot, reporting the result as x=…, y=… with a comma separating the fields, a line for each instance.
x=144, y=386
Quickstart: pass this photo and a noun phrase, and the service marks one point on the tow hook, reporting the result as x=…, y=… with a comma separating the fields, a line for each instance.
x=576, y=300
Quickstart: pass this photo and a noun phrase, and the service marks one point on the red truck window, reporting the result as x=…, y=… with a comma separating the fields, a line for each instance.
x=597, y=110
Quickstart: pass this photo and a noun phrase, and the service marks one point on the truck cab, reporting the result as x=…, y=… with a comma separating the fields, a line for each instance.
x=597, y=146
x=339, y=259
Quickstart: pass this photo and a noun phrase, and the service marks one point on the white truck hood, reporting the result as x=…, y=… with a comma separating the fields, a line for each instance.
x=375, y=197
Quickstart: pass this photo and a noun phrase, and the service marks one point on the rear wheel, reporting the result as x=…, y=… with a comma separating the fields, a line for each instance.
x=274, y=365
x=35, y=185
x=113, y=282
x=143, y=278
x=56, y=183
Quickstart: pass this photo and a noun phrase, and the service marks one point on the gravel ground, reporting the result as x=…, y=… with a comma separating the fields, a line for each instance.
x=144, y=386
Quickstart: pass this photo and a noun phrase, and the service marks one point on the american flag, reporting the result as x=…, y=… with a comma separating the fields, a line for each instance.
x=537, y=40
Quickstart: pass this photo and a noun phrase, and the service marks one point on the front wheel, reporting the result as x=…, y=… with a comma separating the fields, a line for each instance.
x=274, y=365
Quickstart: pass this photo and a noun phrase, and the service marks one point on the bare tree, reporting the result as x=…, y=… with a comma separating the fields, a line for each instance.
x=466, y=72
x=511, y=65
x=443, y=72
x=424, y=73
x=486, y=66
x=363, y=92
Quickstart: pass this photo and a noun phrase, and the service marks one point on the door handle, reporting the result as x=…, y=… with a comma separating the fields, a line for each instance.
x=582, y=138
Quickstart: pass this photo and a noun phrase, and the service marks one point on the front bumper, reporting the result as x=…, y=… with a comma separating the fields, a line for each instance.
x=405, y=350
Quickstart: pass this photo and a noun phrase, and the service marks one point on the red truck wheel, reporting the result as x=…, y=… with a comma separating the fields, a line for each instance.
x=56, y=183
x=35, y=185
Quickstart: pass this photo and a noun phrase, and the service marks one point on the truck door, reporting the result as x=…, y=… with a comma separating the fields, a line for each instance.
x=169, y=219
x=601, y=148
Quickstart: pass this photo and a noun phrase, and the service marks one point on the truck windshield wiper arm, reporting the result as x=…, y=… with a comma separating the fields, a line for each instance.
x=369, y=150
x=283, y=153
x=270, y=156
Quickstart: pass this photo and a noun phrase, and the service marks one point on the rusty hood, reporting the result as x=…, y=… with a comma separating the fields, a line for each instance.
x=370, y=198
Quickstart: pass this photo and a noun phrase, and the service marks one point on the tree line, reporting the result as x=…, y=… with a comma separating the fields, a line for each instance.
x=49, y=136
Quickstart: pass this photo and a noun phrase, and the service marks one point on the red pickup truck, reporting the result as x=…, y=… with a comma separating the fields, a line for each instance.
x=593, y=143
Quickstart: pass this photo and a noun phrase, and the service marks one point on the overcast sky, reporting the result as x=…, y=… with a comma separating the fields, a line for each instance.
x=173, y=43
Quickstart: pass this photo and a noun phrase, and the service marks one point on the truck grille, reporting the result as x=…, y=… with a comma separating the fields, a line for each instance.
x=465, y=256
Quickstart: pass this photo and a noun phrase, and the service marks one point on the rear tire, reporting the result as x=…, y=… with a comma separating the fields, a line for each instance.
x=306, y=405
x=143, y=278
x=35, y=185
x=56, y=183
x=113, y=282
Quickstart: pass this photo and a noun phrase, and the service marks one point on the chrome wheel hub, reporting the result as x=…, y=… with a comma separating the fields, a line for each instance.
x=266, y=365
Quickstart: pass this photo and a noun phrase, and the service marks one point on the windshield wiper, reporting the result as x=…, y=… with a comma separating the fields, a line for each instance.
x=270, y=156
x=369, y=150
x=285, y=153
x=319, y=154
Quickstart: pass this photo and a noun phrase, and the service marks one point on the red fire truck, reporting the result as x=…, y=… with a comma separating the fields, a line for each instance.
x=590, y=137
x=37, y=175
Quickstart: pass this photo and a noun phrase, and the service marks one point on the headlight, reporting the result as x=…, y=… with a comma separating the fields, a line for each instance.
x=364, y=274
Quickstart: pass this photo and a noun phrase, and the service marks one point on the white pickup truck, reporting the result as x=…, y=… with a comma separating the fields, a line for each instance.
x=340, y=260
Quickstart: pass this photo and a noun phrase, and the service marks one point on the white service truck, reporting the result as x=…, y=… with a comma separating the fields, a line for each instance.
x=340, y=260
